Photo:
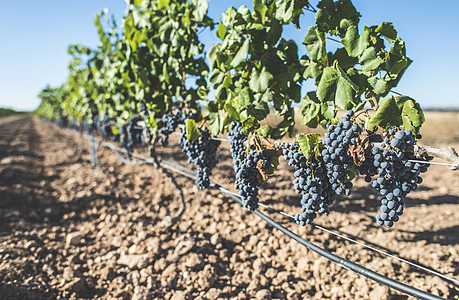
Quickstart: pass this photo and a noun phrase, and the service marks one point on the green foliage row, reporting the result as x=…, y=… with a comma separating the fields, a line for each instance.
x=5, y=112
x=156, y=59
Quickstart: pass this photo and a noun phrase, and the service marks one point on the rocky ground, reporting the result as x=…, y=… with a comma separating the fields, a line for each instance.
x=71, y=231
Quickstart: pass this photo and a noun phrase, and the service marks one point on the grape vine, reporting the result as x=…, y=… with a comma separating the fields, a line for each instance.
x=149, y=78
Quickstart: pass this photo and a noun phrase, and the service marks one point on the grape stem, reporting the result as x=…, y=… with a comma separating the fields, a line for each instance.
x=372, y=99
x=364, y=111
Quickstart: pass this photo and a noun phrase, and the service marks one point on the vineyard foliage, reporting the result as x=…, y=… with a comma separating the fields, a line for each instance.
x=154, y=67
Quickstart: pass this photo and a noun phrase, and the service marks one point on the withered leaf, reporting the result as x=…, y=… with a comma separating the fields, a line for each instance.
x=359, y=149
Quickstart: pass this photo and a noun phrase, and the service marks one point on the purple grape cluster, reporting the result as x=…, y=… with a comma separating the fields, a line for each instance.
x=169, y=124
x=203, y=153
x=245, y=166
x=336, y=155
x=131, y=135
x=397, y=175
x=311, y=182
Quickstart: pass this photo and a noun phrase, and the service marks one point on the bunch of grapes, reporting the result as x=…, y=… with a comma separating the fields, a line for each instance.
x=168, y=124
x=131, y=135
x=237, y=143
x=397, y=176
x=246, y=166
x=310, y=181
x=336, y=156
x=203, y=153
x=247, y=177
x=104, y=126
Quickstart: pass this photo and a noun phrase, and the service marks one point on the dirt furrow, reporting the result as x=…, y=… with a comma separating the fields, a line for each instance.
x=70, y=231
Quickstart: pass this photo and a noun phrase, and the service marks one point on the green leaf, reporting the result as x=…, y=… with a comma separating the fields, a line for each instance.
x=309, y=144
x=412, y=114
x=192, y=131
x=227, y=82
x=327, y=86
x=344, y=94
x=259, y=111
x=388, y=31
x=388, y=114
x=216, y=76
x=201, y=9
x=370, y=60
x=328, y=111
x=165, y=73
x=354, y=43
x=259, y=81
x=241, y=55
x=380, y=86
x=221, y=31
x=245, y=98
x=215, y=122
x=274, y=155
x=315, y=44
x=334, y=17
x=343, y=59
x=264, y=130
x=232, y=111
x=261, y=8
x=163, y=3
x=220, y=93
x=309, y=111
x=345, y=90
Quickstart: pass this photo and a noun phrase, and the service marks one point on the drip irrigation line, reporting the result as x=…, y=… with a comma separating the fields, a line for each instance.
x=388, y=254
x=433, y=272
x=182, y=170
x=337, y=259
x=120, y=157
x=343, y=262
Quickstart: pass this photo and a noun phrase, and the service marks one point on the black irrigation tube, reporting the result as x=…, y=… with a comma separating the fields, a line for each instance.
x=361, y=270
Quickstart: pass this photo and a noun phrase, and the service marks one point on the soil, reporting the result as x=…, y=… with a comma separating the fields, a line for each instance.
x=68, y=230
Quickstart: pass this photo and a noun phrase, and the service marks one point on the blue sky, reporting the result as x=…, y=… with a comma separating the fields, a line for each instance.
x=35, y=35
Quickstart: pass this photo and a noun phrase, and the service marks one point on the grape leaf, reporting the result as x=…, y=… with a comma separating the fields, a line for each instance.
x=370, y=60
x=388, y=114
x=232, y=111
x=380, y=86
x=345, y=90
x=327, y=85
x=192, y=131
x=309, y=144
x=412, y=114
x=259, y=82
x=201, y=9
x=261, y=8
x=388, y=31
x=241, y=55
x=274, y=155
x=309, y=111
x=315, y=44
x=259, y=111
x=354, y=43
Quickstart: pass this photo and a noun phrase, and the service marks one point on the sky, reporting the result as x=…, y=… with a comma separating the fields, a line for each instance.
x=34, y=36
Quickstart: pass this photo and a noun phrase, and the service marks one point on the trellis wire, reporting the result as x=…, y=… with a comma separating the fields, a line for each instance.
x=410, y=160
x=341, y=261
